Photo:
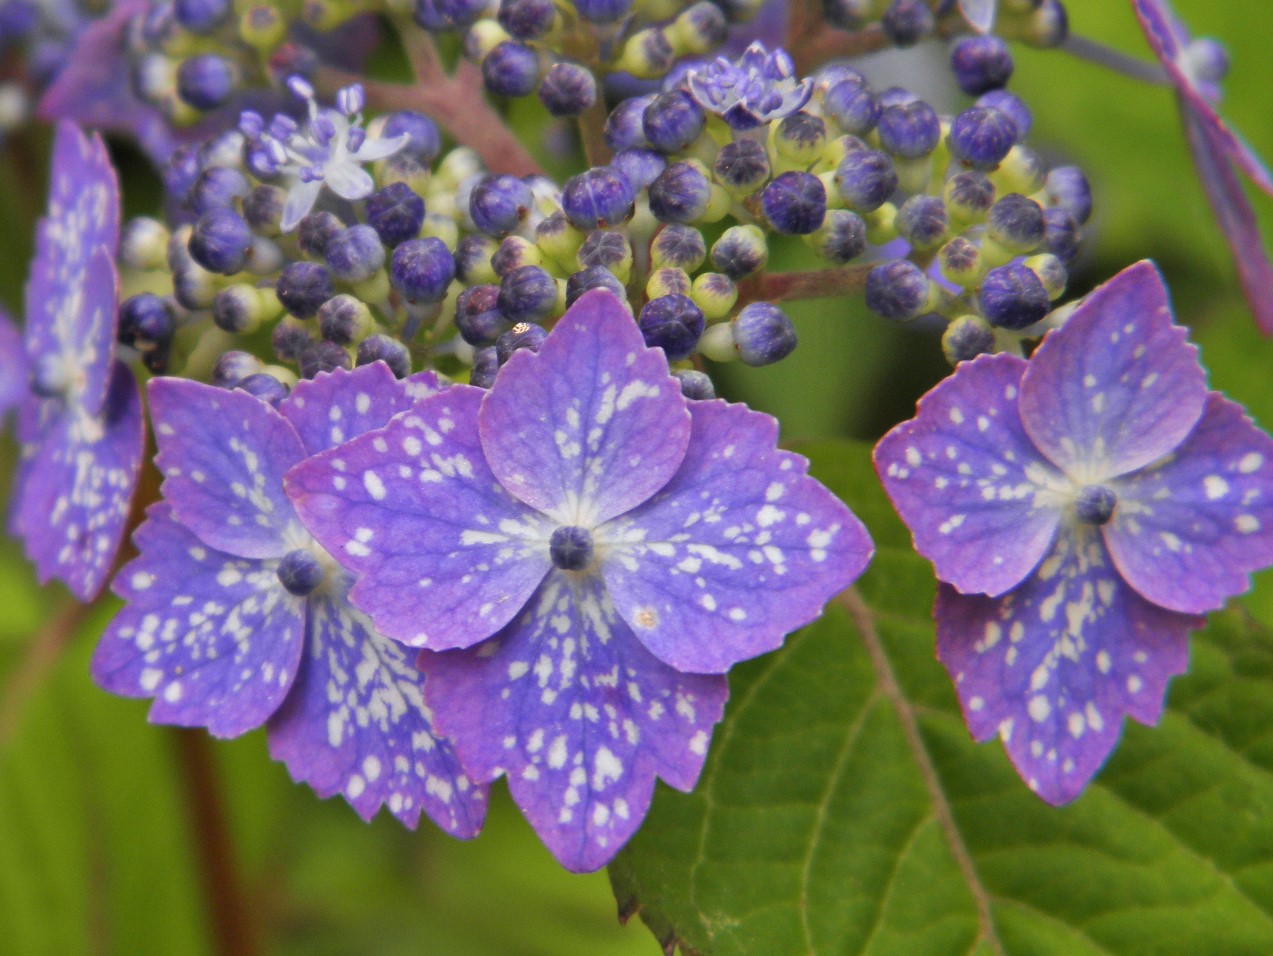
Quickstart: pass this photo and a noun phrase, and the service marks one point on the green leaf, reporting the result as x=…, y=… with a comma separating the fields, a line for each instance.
x=844, y=808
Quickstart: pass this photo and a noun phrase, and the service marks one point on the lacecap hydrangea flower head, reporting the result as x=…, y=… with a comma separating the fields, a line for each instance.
x=581, y=553
x=1081, y=510
x=237, y=618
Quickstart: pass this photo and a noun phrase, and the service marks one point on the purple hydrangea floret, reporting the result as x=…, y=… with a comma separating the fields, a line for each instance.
x=329, y=148
x=1081, y=510
x=80, y=419
x=236, y=618
x=582, y=553
x=1195, y=68
x=757, y=88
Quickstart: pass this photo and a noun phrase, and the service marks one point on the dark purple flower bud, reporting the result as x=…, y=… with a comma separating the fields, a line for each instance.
x=344, y=319
x=897, y=290
x=263, y=386
x=1012, y=297
x=237, y=309
x=597, y=198
x=217, y=188
x=679, y=247
x=842, y=237
x=234, y=366
x=355, y=254
x=763, y=334
x=523, y=335
x=981, y=64
x=742, y=166
x=263, y=209
x=526, y=19
x=206, y=81
x=181, y=171
x=981, y=137
x=969, y=196
x=625, y=127
x=921, y=221
x=425, y=142
x=145, y=321
x=201, y=16
x=672, y=121
x=848, y=15
x=680, y=194
x=302, y=287
x=1062, y=235
x=594, y=277
x=607, y=250
x=866, y=178
x=221, y=241
x=906, y=22
x=396, y=213
x=462, y=12
x=289, y=340
x=315, y=231
x=568, y=89
x=323, y=357
x=795, y=203
x=477, y=315
x=1068, y=188
x=641, y=166
x=513, y=253
x=473, y=257
x=485, y=367
x=511, y=69
x=527, y=294
x=909, y=130
x=499, y=203
x=695, y=385
x=383, y=348
x=674, y=324
x=740, y=251
x=1016, y=222
x=422, y=269
x=966, y=338
x=299, y=572
x=1017, y=111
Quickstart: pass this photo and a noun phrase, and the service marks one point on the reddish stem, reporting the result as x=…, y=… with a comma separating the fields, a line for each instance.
x=815, y=284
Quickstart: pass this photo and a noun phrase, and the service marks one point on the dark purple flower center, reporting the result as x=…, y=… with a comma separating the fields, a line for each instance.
x=1095, y=504
x=570, y=548
x=300, y=572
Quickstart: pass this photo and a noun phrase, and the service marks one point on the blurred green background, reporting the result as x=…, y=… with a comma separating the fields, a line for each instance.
x=105, y=850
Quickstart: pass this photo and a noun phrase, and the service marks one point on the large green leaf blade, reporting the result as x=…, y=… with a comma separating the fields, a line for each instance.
x=844, y=808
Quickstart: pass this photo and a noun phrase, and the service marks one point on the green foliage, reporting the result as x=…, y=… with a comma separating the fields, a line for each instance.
x=844, y=808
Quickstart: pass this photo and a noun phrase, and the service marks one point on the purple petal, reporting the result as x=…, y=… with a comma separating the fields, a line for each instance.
x=1166, y=35
x=980, y=14
x=339, y=405
x=356, y=724
x=445, y=557
x=1235, y=216
x=739, y=549
x=73, y=492
x=967, y=480
x=1117, y=386
x=569, y=705
x=1053, y=666
x=593, y=424
x=223, y=455
x=1188, y=532
x=95, y=89
x=73, y=289
x=215, y=639
x=13, y=373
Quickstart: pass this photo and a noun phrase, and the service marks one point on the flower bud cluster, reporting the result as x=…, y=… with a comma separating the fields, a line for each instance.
x=562, y=51
x=1038, y=23
x=191, y=57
